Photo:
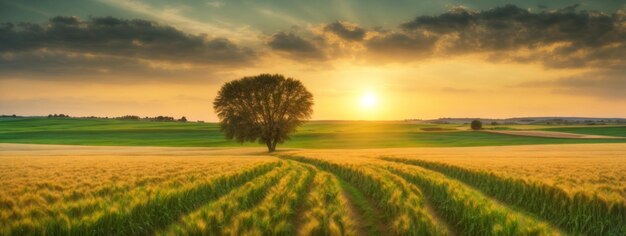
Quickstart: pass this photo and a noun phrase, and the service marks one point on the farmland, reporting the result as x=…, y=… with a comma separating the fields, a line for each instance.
x=316, y=135
x=510, y=190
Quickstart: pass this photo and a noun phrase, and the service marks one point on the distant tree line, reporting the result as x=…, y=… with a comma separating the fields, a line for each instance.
x=156, y=118
x=58, y=116
x=126, y=117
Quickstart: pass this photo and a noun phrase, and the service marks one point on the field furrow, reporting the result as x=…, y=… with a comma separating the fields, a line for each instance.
x=403, y=209
x=467, y=209
x=426, y=204
x=73, y=194
x=296, y=192
x=326, y=210
x=276, y=213
x=363, y=210
x=576, y=214
x=213, y=217
x=143, y=216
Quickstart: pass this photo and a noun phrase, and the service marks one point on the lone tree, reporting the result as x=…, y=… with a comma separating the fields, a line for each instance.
x=476, y=125
x=263, y=108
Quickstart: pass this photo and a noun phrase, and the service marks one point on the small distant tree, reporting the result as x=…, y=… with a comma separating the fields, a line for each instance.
x=128, y=117
x=494, y=123
x=183, y=119
x=476, y=125
x=263, y=108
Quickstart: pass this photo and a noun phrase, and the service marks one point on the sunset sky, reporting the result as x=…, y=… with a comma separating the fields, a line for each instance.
x=361, y=59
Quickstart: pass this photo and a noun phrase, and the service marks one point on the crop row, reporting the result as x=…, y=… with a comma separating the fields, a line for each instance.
x=576, y=214
x=143, y=215
x=213, y=217
x=327, y=211
x=402, y=206
x=462, y=209
x=36, y=198
x=325, y=196
x=467, y=209
x=276, y=213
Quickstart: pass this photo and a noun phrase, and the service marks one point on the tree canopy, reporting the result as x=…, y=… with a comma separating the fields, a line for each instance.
x=263, y=108
x=476, y=125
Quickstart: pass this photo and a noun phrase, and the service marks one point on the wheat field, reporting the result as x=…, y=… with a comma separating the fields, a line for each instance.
x=529, y=190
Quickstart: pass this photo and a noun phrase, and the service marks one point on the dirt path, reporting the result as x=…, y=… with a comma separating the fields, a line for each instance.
x=550, y=134
x=450, y=231
x=364, y=211
x=354, y=214
x=302, y=207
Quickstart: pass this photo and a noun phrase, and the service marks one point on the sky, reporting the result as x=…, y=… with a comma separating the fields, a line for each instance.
x=361, y=59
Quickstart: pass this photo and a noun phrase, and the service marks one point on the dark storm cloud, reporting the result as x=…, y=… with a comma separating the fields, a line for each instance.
x=402, y=46
x=339, y=29
x=80, y=67
x=295, y=46
x=570, y=33
x=556, y=38
x=111, y=36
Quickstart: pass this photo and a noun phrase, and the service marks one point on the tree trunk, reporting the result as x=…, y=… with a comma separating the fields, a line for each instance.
x=271, y=146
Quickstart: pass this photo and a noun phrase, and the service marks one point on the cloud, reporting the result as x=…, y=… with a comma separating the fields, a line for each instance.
x=177, y=17
x=111, y=36
x=556, y=38
x=59, y=65
x=351, y=33
x=603, y=83
x=112, y=49
x=564, y=37
x=294, y=46
x=401, y=46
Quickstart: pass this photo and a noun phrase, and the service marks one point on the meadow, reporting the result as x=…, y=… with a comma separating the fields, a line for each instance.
x=315, y=134
x=69, y=190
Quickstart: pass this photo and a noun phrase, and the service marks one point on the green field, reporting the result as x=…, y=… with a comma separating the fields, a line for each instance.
x=597, y=130
x=315, y=134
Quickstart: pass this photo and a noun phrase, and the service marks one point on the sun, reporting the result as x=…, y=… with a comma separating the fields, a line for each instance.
x=369, y=100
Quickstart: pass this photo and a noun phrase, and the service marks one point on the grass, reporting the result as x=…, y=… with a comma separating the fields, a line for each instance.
x=306, y=192
x=619, y=131
x=319, y=134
